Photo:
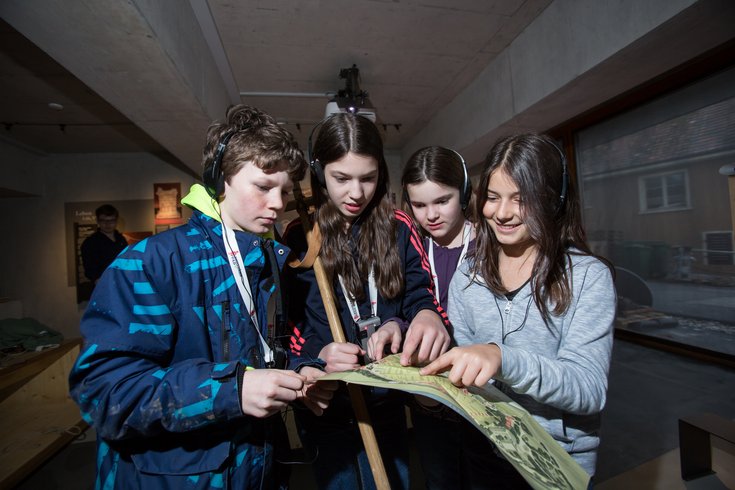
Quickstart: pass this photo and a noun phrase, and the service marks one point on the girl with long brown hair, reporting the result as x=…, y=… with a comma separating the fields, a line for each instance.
x=532, y=308
x=381, y=282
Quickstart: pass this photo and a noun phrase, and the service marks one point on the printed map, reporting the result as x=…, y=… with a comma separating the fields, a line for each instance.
x=523, y=442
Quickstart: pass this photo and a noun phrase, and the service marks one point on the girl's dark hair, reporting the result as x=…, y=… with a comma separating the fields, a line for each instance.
x=376, y=247
x=257, y=138
x=439, y=165
x=536, y=165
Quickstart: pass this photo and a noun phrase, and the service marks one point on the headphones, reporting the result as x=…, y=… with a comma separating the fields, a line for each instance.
x=465, y=193
x=213, y=177
x=316, y=167
x=564, y=176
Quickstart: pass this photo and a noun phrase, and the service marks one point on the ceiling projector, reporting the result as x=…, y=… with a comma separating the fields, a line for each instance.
x=335, y=106
x=351, y=98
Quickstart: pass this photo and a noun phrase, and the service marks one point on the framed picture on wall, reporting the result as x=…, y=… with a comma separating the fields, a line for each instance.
x=167, y=203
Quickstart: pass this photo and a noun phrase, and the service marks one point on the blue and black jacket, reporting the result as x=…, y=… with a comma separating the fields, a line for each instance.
x=166, y=337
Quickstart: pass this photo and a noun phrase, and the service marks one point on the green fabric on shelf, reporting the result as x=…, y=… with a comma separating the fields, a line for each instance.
x=28, y=333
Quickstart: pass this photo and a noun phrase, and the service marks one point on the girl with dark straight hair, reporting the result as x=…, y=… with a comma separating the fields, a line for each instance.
x=437, y=191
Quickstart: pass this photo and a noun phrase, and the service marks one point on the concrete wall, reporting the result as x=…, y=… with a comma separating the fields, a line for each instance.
x=33, y=267
x=575, y=55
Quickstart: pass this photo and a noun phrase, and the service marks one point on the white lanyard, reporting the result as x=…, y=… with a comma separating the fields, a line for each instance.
x=241, y=279
x=352, y=304
x=465, y=244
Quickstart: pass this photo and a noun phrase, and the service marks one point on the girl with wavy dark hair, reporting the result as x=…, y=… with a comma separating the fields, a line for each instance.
x=532, y=308
x=382, y=287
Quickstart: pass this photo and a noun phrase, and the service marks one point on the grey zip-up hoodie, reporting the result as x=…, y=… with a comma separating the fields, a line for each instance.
x=556, y=370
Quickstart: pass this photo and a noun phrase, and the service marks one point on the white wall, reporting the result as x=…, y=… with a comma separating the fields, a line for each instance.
x=33, y=256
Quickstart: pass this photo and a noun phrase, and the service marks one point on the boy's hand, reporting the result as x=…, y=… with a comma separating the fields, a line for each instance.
x=266, y=391
x=468, y=365
x=427, y=334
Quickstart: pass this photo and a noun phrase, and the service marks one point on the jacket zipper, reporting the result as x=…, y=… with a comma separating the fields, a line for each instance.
x=508, y=306
x=226, y=331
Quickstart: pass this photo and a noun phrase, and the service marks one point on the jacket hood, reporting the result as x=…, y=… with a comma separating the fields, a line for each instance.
x=199, y=199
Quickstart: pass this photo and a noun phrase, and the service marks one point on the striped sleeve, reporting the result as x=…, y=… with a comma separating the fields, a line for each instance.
x=419, y=286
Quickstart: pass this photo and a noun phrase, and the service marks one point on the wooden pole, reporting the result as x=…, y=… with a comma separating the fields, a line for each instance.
x=335, y=326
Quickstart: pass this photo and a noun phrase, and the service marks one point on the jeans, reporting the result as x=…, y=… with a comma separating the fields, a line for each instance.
x=438, y=443
x=334, y=444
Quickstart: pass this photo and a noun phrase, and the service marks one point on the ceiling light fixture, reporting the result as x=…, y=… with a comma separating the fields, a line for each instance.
x=351, y=98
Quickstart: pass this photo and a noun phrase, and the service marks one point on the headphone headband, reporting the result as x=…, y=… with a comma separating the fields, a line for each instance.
x=466, y=191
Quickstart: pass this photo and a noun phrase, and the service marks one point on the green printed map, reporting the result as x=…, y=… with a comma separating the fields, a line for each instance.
x=523, y=442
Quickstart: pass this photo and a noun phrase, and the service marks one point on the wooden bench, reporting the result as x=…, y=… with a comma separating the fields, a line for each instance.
x=37, y=416
x=695, y=447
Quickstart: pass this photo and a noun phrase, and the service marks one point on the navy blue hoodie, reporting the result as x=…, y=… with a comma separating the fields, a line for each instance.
x=311, y=330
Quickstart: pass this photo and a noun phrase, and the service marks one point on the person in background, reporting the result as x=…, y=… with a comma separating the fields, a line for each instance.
x=101, y=247
x=182, y=372
x=532, y=308
x=382, y=288
x=438, y=192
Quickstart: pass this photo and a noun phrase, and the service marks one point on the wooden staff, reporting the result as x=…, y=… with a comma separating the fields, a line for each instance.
x=335, y=325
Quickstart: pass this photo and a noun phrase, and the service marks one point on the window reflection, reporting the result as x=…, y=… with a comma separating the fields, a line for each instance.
x=657, y=207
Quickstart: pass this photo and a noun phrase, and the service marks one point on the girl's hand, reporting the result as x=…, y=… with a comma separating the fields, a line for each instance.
x=427, y=334
x=316, y=396
x=389, y=333
x=469, y=365
x=341, y=356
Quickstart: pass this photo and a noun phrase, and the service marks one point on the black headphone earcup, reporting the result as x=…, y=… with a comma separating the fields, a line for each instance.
x=214, y=180
x=318, y=171
x=213, y=177
x=466, y=192
x=464, y=196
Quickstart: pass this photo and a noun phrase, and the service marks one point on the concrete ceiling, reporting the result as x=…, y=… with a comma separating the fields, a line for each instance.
x=143, y=75
x=78, y=121
x=150, y=76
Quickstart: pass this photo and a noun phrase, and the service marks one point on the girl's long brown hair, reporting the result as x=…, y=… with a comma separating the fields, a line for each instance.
x=551, y=213
x=376, y=246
